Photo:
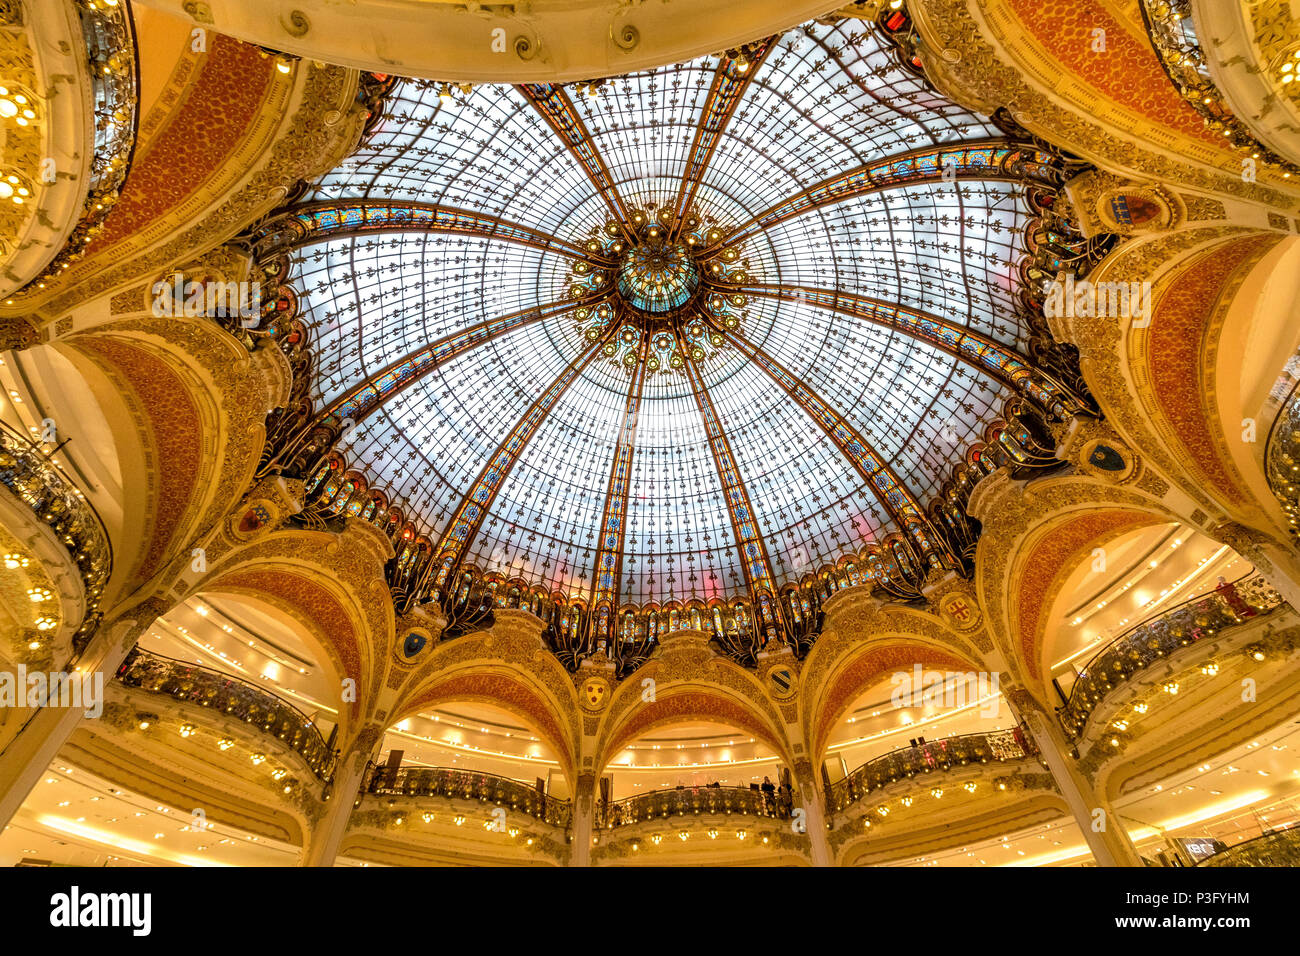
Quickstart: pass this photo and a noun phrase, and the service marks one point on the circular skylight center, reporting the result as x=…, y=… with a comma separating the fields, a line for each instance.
x=657, y=277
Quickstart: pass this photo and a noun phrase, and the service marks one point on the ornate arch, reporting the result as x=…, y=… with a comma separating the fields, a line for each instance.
x=332, y=584
x=506, y=666
x=224, y=112
x=184, y=402
x=512, y=689
x=689, y=682
x=1114, y=106
x=1034, y=537
x=1159, y=384
x=863, y=668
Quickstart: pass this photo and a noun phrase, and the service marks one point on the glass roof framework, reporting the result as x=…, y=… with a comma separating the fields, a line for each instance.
x=823, y=100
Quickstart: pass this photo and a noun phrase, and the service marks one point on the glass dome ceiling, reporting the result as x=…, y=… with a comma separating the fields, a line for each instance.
x=680, y=335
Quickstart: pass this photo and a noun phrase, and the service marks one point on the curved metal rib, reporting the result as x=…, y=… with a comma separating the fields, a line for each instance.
x=987, y=159
x=557, y=109
x=362, y=399
x=315, y=222
x=613, y=523
x=754, y=560
x=983, y=354
x=465, y=523
x=729, y=85
x=892, y=494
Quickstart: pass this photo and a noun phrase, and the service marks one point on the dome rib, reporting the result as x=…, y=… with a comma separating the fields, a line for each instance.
x=613, y=522
x=363, y=398
x=985, y=159
x=730, y=83
x=998, y=362
x=755, y=563
x=892, y=493
x=310, y=223
x=557, y=109
x=468, y=517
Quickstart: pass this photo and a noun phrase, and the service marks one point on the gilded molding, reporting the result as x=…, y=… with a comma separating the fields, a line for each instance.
x=312, y=144
x=964, y=65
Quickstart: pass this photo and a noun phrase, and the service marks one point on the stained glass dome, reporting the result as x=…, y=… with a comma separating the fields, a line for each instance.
x=683, y=335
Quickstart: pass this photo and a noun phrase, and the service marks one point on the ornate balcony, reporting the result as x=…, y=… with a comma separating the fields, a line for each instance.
x=1149, y=641
x=1172, y=30
x=468, y=785
x=937, y=755
x=1274, y=849
x=228, y=695
x=692, y=801
x=32, y=477
x=1282, y=459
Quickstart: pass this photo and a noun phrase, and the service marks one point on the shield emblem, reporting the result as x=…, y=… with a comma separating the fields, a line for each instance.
x=594, y=692
x=782, y=679
x=415, y=642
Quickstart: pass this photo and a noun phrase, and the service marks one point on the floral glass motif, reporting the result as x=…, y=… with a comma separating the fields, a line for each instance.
x=475, y=264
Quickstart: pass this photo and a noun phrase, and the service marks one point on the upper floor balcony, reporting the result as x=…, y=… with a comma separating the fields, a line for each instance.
x=950, y=753
x=55, y=532
x=695, y=801
x=227, y=695
x=1281, y=848
x=467, y=785
x=1228, y=606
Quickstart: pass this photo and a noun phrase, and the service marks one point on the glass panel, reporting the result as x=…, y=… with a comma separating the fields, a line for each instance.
x=826, y=99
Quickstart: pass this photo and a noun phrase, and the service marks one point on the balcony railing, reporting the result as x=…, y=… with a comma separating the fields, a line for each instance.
x=114, y=70
x=30, y=475
x=1274, y=849
x=1149, y=641
x=1173, y=36
x=946, y=754
x=229, y=695
x=693, y=801
x=468, y=785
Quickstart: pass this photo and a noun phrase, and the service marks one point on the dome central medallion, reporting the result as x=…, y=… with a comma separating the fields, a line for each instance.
x=657, y=277
x=658, y=294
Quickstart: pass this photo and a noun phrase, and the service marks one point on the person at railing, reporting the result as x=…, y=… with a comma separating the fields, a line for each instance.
x=1228, y=592
x=769, y=795
x=1019, y=734
x=785, y=800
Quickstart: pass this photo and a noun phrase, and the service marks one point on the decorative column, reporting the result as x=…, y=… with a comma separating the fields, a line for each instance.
x=1097, y=820
x=814, y=816
x=27, y=756
x=327, y=833
x=584, y=803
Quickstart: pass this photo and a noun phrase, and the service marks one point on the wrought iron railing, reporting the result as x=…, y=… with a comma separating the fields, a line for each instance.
x=1282, y=459
x=114, y=70
x=1173, y=35
x=228, y=695
x=1149, y=641
x=947, y=754
x=29, y=474
x=1273, y=849
x=694, y=801
x=468, y=785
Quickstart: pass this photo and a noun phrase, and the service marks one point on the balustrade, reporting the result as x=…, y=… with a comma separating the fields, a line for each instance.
x=228, y=695
x=1149, y=641
x=1173, y=36
x=1273, y=849
x=32, y=477
x=946, y=754
x=693, y=801
x=468, y=785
